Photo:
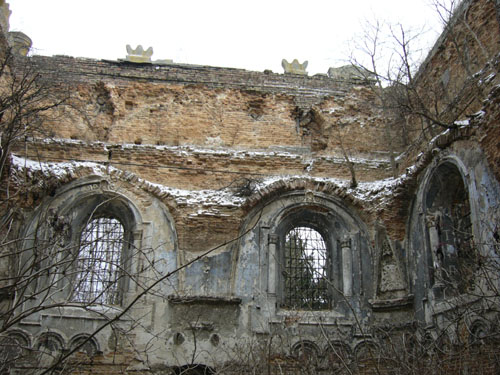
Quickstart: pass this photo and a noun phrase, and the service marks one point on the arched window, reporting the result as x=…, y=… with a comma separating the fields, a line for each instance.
x=305, y=269
x=99, y=262
x=313, y=253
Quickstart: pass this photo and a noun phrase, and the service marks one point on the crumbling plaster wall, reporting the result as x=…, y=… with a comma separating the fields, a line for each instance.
x=214, y=301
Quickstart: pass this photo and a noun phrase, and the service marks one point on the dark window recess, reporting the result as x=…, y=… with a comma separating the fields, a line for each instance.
x=455, y=253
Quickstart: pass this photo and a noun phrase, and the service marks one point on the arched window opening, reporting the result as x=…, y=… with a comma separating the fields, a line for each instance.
x=305, y=271
x=99, y=262
x=450, y=229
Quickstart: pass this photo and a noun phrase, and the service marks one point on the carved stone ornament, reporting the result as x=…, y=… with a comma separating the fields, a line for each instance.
x=139, y=55
x=432, y=220
x=345, y=243
x=273, y=238
x=106, y=185
x=294, y=67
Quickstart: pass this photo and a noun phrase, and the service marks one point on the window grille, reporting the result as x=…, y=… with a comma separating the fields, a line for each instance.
x=99, y=262
x=305, y=270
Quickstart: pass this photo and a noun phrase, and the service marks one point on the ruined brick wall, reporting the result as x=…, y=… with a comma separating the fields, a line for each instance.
x=195, y=127
x=459, y=72
x=212, y=107
x=215, y=158
x=469, y=41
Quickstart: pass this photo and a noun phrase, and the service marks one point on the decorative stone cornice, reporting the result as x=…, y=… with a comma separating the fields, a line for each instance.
x=203, y=300
x=294, y=67
x=273, y=238
x=139, y=55
x=345, y=243
x=392, y=304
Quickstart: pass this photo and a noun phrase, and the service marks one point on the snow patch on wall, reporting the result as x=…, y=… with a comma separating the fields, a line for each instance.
x=186, y=150
x=205, y=200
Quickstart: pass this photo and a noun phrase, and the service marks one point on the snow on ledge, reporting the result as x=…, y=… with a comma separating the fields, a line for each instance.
x=58, y=170
x=192, y=150
x=365, y=191
x=61, y=170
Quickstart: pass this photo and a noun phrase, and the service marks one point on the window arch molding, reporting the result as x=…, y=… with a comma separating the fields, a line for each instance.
x=15, y=347
x=95, y=200
x=86, y=344
x=68, y=213
x=333, y=219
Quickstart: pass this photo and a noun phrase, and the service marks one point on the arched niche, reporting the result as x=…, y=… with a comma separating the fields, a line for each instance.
x=449, y=229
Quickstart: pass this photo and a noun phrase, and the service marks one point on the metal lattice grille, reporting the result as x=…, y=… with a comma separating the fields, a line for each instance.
x=98, y=264
x=305, y=270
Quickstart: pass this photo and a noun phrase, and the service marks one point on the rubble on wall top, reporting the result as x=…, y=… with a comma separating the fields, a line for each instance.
x=310, y=89
x=351, y=73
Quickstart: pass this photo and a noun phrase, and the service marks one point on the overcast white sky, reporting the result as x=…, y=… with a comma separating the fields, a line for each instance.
x=253, y=35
